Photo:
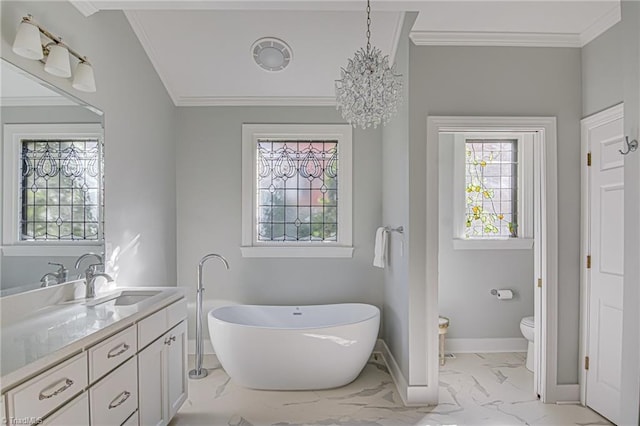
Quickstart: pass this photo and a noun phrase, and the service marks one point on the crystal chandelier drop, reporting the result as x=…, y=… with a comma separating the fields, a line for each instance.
x=369, y=91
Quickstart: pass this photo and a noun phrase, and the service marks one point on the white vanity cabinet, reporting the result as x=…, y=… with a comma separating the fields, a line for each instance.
x=162, y=365
x=136, y=375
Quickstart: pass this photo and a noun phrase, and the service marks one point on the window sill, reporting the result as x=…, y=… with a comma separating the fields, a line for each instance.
x=497, y=244
x=27, y=249
x=297, y=252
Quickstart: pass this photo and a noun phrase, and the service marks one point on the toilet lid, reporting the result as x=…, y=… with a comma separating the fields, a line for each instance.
x=527, y=321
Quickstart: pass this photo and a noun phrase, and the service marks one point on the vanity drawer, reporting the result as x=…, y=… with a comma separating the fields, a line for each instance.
x=132, y=421
x=49, y=390
x=115, y=398
x=152, y=327
x=176, y=313
x=75, y=413
x=107, y=355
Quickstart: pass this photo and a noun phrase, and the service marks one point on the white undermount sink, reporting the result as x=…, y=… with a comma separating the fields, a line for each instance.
x=125, y=297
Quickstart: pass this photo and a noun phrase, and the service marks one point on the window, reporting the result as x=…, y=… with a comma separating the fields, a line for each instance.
x=54, y=172
x=494, y=190
x=297, y=191
x=491, y=186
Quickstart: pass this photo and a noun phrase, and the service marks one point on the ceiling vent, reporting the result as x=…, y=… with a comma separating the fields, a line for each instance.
x=271, y=54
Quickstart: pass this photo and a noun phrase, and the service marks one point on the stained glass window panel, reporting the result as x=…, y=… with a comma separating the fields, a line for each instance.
x=60, y=190
x=491, y=188
x=297, y=190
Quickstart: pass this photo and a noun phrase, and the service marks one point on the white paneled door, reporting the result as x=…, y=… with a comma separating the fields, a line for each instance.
x=605, y=275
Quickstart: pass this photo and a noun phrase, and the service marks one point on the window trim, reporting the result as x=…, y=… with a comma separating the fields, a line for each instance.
x=251, y=247
x=13, y=134
x=524, y=240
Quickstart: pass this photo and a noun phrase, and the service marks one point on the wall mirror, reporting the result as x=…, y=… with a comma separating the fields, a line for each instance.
x=51, y=180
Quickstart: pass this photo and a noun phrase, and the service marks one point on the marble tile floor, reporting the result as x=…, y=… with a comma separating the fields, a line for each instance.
x=475, y=389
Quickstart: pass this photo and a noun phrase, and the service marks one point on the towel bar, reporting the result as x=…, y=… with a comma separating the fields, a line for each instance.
x=399, y=229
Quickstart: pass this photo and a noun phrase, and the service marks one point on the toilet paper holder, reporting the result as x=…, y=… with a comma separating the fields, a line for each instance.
x=502, y=294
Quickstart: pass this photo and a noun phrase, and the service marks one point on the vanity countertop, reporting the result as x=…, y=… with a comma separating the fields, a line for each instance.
x=42, y=338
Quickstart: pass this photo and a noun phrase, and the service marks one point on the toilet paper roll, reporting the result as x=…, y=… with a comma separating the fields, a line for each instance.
x=505, y=294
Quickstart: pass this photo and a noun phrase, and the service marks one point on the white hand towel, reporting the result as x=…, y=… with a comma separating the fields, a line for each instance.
x=380, y=249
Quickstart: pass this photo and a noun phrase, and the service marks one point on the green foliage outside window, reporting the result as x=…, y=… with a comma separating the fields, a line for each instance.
x=490, y=188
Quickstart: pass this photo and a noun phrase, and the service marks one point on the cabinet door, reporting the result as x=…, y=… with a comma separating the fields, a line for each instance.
x=177, y=367
x=152, y=384
x=75, y=413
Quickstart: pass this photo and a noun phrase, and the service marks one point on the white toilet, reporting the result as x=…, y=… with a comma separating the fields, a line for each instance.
x=526, y=327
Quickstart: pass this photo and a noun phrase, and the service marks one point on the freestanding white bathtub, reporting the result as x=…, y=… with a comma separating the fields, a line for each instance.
x=294, y=347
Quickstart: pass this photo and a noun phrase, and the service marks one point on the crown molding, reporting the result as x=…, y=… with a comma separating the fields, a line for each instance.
x=397, y=33
x=145, y=41
x=605, y=22
x=187, y=101
x=463, y=38
x=86, y=7
x=35, y=101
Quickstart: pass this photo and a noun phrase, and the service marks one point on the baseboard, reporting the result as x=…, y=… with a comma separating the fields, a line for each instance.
x=513, y=344
x=411, y=395
x=567, y=394
x=206, y=347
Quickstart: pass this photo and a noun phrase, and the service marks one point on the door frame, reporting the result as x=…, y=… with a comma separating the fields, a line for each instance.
x=547, y=328
x=587, y=124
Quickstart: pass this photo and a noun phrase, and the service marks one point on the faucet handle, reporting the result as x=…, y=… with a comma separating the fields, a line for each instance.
x=94, y=267
x=62, y=274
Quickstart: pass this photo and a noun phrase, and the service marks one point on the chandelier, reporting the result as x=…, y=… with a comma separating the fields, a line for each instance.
x=369, y=91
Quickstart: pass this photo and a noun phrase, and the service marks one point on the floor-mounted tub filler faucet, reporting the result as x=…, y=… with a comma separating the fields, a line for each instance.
x=199, y=372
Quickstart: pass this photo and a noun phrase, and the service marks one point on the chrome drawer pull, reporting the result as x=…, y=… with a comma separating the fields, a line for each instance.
x=67, y=384
x=125, y=348
x=121, y=399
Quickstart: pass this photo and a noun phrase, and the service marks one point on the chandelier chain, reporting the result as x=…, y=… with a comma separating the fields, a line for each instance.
x=368, y=26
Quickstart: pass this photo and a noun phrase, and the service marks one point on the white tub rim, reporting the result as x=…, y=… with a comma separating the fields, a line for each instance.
x=375, y=313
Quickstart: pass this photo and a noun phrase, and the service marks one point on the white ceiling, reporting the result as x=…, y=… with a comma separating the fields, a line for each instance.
x=201, y=49
x=204, y=57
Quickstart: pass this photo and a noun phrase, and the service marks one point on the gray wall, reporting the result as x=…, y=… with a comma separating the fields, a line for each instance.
x=605, y=85
x=395, y=203
x=505, y=82
x=20, y=270
x=630, y=386
x=209, y=208
x=602, y=83
x=139, y=134
x=465, y=277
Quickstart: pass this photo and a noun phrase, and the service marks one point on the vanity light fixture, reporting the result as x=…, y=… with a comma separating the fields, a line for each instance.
x=54, y=54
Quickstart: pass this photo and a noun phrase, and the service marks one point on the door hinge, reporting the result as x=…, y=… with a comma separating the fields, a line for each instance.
x=586, y=362
x=588, y=261
x=588, y=158
x=539, y=282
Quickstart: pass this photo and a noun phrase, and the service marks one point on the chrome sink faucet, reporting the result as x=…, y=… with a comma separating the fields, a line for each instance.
x=84, y=256
x=60, y=276
x=90, y=276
